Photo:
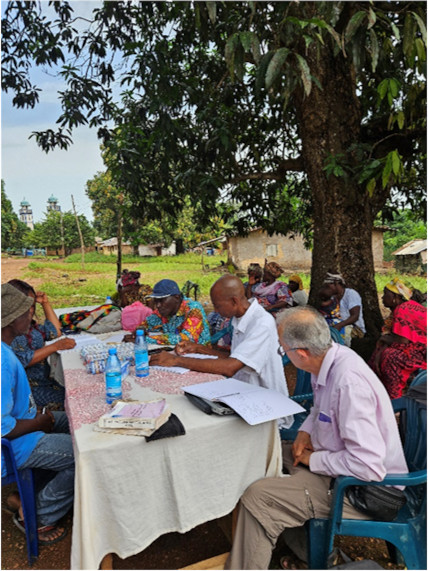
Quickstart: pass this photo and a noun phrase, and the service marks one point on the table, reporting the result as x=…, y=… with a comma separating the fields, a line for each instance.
x=128, y=491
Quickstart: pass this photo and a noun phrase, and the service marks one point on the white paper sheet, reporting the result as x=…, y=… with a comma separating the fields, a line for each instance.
x=182, y=370
x=254, y=404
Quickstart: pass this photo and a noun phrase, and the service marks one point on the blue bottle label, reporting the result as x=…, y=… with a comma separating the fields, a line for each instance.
x=141, y=363
x=113, y=386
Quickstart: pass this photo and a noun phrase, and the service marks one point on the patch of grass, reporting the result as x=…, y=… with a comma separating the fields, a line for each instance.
x=67, y=284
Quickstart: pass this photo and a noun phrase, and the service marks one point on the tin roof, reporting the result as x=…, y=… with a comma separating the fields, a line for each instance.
x=411, y=248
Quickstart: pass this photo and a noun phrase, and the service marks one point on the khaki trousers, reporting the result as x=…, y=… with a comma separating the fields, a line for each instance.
x=270, y=505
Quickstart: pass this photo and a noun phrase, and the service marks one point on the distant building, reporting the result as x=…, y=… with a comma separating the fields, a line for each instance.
x=287, y=250
x=53, y=204
x=412, y=257
x=26, y=214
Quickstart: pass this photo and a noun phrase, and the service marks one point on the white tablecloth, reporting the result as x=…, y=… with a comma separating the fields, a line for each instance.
x=128, y=491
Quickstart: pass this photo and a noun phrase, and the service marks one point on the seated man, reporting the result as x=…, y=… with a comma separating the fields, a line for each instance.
x=253, y=357
x=40, y=440
x=351, y=431
x=175, y=317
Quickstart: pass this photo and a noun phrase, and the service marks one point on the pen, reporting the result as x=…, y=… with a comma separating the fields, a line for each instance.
x=44, y=410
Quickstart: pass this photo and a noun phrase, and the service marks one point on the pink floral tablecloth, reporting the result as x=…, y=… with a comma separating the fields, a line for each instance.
x=85, y=401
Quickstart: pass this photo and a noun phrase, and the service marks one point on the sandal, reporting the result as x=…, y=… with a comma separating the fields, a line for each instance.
x=13, y=503
x=291, y=562
x=47, y=534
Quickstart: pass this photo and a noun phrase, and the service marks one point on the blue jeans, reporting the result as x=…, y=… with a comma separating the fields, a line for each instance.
x=54, y=453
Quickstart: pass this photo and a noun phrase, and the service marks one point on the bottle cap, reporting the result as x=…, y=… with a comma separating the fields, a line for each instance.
x=112, y=351
x=140, y=332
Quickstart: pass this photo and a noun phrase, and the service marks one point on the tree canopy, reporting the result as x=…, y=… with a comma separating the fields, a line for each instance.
x=310, y=115
x=13, y=231
x=57, y=226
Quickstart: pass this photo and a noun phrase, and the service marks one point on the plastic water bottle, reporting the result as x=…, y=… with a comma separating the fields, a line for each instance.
x=108, y=300
x=141, y=355
x=113, y=376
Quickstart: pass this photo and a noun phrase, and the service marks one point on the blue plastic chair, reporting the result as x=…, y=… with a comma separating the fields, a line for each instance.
x=215, y=338
x=303, y=393
x=25, y=482
x=407, y=532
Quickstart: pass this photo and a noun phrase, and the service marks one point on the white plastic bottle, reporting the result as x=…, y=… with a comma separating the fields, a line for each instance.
x=113, y=377
x=108, y=300
x=141, y=355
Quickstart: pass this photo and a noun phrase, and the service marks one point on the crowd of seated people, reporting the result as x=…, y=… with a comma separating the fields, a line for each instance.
x=252, y=355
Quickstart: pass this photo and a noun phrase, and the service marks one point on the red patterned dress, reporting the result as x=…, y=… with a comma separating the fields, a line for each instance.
x=400, y=360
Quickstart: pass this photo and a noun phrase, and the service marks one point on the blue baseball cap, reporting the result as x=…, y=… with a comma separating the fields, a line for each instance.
x=165, y=288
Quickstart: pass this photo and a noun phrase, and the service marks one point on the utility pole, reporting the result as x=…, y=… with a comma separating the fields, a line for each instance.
x=62, y=233
x=82, y=245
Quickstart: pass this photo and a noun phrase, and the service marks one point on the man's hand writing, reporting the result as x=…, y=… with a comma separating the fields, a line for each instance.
x=164, y=359
x=186, y=347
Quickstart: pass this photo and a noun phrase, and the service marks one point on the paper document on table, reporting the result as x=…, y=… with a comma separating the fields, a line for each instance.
x=182, y=370
x=253, y=403
x=82, y=340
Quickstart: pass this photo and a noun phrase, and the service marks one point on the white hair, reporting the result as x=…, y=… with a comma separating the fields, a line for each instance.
x=305, y=327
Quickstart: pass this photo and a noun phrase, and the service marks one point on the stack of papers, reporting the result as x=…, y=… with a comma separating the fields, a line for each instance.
x=253, y=403
x=138, y=418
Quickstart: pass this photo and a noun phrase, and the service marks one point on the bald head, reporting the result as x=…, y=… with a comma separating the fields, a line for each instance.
x=228, y=296
x=304, y=327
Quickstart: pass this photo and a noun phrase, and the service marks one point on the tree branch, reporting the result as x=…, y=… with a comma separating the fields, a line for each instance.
x=283, y=167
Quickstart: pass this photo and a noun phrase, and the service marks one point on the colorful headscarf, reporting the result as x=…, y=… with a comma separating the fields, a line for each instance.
x=297, y=279
x=273, y=268
x=398, y=287
x=333, y=278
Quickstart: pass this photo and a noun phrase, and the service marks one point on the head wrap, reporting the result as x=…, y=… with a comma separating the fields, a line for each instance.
x=255, y=268
x=297, y=279
x=14, y=303
x=165, y=288
x=129, y=278
x=333, y=278
x=273, y=268
x=398, y=287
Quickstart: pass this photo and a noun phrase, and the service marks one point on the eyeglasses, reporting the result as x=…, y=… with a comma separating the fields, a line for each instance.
x=282, y=351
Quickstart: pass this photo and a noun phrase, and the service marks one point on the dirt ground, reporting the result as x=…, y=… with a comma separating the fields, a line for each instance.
x=171, y=551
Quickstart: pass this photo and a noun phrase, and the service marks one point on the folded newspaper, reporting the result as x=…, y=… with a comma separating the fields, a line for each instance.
x=137, y=418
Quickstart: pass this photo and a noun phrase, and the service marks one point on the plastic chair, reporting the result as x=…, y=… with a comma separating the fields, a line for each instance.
x=215, y=338
x=25, y=482
x=407, y=532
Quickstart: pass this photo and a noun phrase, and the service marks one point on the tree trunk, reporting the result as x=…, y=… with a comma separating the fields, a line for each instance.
x=330, y=123
x=119, y=244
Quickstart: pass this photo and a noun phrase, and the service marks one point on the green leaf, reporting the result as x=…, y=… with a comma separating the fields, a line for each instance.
x=371, y=185
x=400, y=119
x=396, y=162
x=255, y=48
x=212, y=11
x=382, y=88
x=275, y=66
x=246, y=38
x=230, y=49
x=422, y=27
x=374, y=49
x=308, y=40
x=354, y=24
x=372, y=19
x=394, y=87
x=396, y=31
x=420, y=50
x=409, y=36
x=306, y=74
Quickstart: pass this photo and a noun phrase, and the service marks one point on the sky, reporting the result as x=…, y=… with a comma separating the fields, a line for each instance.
x=31, y=173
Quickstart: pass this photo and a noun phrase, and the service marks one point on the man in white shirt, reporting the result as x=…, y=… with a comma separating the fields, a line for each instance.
x=253, y=357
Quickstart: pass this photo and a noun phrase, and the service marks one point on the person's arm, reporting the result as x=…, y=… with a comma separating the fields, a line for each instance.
x=189, y=347
x=278, y=305
x=41, y=422
x=354, y=314
x=222, y=366
x=50, y=314
x=44, y=352
x=390, y=338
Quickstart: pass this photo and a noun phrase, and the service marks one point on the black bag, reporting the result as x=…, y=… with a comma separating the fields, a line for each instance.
x=380, y=502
